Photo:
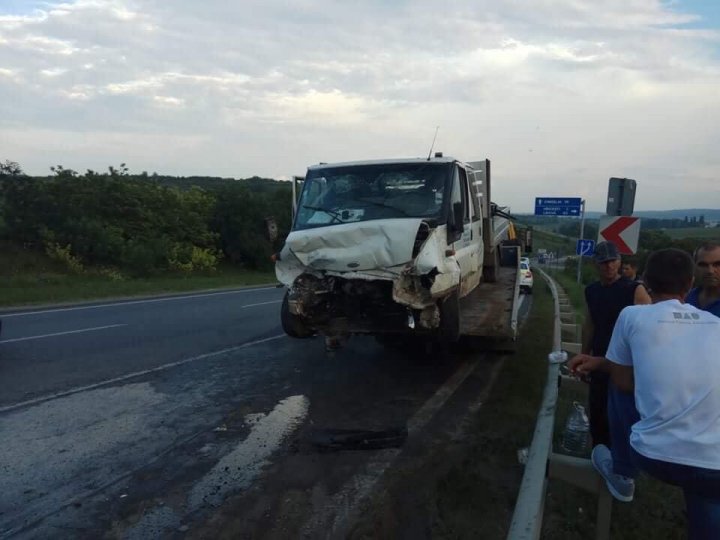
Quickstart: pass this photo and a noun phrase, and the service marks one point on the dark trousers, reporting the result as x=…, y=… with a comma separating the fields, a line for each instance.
x=597, y=409
x=701, y=488
x=622, y=414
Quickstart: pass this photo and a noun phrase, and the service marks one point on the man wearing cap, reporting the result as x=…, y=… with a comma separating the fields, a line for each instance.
x=604, y=300
x=707, y=274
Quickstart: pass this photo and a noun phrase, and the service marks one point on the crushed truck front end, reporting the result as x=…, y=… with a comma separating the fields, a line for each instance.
x=367, y=299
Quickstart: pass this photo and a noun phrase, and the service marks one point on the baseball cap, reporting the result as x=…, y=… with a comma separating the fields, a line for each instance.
x=606, y=251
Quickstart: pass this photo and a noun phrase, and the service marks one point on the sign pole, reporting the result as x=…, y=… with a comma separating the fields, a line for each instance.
x=582, y=235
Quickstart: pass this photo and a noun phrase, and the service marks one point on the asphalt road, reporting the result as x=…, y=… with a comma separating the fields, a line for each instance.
x=48, y=351
x=141, y=418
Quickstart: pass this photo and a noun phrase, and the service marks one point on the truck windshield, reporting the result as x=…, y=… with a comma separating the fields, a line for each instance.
x=365, y=192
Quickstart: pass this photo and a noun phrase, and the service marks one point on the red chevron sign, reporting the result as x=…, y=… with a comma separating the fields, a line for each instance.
x=623, y=231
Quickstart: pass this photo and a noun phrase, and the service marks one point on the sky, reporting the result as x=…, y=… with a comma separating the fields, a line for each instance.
x=560, y=95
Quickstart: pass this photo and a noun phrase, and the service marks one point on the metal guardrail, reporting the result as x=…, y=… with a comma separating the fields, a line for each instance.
x=543, y=464
x=516, y=299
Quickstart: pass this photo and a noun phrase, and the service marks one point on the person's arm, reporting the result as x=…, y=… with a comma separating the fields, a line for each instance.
x=588, y=329
x=582, y=364
x=641, y=296
x=622, y=377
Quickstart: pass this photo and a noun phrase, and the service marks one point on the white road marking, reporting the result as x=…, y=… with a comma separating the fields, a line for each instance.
x=122, y=378
x=425, y=413
x=130, y=302
x=237, y=469
x=61, y=333
x=262, y=303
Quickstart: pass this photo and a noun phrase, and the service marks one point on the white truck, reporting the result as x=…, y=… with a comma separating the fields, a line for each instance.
x=397, y=247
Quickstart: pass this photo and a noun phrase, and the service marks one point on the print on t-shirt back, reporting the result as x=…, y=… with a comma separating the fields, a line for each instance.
x=684, y=317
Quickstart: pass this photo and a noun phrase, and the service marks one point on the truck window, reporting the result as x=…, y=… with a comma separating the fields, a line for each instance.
x=474, y=197
x=456, y=193
x=464, y=194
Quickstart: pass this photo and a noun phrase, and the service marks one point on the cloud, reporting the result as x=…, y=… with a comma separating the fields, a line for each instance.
x=560, y=95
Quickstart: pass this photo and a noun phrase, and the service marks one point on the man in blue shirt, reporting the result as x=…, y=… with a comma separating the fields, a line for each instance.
x=707, y=263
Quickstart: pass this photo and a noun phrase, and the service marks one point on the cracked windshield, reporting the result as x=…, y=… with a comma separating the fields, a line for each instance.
x=366, y=192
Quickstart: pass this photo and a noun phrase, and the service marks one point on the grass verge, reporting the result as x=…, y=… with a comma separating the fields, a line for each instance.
x=575, y=291
x=32, y=278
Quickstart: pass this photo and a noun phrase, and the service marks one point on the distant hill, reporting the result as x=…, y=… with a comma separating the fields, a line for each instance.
x=709, y=213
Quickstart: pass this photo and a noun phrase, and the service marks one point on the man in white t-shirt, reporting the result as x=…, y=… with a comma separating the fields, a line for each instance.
x=669, y=354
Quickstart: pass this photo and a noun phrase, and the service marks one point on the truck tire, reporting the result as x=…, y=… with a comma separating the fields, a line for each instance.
x=293, y=325
x=450, y=318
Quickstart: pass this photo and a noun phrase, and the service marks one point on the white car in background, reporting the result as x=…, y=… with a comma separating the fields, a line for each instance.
x=526, y=276
x=525, y=260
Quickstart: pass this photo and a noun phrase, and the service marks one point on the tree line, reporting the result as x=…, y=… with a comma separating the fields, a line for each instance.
x=141, y=224
x=692, y=223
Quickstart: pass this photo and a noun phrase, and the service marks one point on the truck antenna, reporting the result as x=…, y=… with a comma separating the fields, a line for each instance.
x=433, y=143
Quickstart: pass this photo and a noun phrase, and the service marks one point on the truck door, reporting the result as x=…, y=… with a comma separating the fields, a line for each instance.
x=476, y=224
x=465, y=247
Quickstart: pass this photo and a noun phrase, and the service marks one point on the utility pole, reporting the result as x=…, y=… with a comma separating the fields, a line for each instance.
x=582, y=234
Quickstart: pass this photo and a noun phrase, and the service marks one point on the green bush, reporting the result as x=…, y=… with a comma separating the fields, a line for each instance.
x=188, y=259
x=140, y=226
x=204, y=260
x=64, y=256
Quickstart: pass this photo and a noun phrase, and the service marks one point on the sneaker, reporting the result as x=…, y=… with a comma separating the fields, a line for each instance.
x=620, y=487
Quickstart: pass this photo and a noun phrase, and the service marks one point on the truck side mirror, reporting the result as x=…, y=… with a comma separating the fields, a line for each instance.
x=458, y=217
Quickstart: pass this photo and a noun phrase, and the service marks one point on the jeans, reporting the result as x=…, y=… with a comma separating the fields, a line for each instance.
x=701, y=488
x=622, y=414
x=598, y=408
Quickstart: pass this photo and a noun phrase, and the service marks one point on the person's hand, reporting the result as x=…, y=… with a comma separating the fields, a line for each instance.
x=583, y=364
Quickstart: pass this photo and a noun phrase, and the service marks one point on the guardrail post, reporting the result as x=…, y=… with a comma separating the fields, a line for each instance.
x=571, y=347
x=604, y=515
x=574, y=330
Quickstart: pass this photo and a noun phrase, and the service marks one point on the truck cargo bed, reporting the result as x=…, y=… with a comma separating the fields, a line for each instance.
x=490, y=310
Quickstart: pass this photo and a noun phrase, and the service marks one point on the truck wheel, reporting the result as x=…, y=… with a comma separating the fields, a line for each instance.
x=293, y=325
x=450, y=318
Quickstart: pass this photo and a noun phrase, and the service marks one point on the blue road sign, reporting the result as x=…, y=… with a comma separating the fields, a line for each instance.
x=585, y=248
x=558, y=206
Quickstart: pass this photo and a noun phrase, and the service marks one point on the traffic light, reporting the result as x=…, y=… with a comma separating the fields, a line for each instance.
x=621, y=197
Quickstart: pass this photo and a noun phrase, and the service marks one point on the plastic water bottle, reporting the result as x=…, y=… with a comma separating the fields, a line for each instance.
x=575, y=436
